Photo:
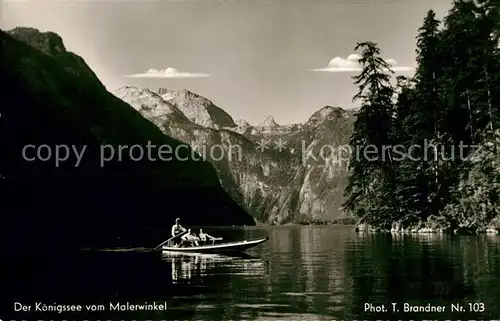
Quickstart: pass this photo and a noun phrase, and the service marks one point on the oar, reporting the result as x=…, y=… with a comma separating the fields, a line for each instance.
x=173, y=237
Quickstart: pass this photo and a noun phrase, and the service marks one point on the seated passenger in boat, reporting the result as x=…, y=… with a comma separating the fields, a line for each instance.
x=205, y=237
x=191, y=237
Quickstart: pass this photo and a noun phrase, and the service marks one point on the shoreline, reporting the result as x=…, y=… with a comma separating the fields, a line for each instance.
x=432, y=226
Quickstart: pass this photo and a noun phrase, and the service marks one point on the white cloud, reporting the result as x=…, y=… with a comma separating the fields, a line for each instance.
x=351, y=64
x=167, y=73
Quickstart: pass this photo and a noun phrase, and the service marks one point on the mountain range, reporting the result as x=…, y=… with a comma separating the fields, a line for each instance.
x=278, y=173
x=52, y=99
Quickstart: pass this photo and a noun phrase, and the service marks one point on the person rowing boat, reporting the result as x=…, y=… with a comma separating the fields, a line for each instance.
x=177, y=228
x=179, y=232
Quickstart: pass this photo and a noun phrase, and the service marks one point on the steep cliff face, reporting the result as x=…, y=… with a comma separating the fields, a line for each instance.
x=318, y=162
x=278, y=173
x=52, y=102
x=324, y=150
x=251, y=177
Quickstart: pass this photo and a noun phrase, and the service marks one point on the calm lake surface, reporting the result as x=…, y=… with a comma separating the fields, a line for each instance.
x=301, y=273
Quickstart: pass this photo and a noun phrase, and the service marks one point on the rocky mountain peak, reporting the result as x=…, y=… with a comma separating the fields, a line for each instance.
x=165, y=93
x=326, y=113
x=189, y=94
x=148, y=101
x=49, y=42
x=199, y=109
x=129, y=90
x=163, y=102
x=328, y=110
x=269, y=122
x=241, y=127
x=134, y=91
x=242, y=123
x=186, y=98
x=161, y=91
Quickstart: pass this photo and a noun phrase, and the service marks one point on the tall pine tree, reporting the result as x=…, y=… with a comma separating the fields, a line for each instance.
x=428, y=119
x=372, y=168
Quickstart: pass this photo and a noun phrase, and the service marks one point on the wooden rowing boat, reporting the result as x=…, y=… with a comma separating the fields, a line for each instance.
x=237, y=246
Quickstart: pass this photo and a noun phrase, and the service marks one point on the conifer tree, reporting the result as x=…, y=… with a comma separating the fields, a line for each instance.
x=408, y=192
x=369, y=172
x=429, y=116
x=489, y=28
x=472, y=67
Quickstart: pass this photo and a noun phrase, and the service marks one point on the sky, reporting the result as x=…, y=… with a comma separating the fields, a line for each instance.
x=252, y=58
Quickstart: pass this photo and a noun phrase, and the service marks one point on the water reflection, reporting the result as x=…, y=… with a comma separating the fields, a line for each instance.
x=325, y=273
x=189, y=266
x=421, y=269
x=306, y=276
x=301, y=273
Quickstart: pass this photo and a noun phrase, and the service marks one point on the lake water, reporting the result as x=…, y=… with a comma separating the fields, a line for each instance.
x=301, y=273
